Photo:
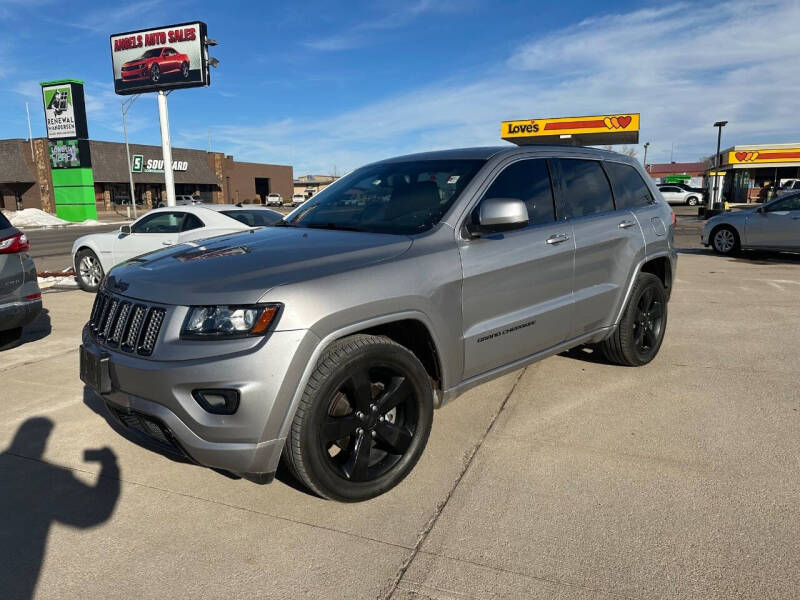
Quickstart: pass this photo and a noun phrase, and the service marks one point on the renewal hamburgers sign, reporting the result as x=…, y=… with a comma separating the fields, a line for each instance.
x=169, y=57
x=64, y=110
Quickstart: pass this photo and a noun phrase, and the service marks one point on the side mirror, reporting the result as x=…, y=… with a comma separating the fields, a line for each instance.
x=499, y=214
x=125, y=229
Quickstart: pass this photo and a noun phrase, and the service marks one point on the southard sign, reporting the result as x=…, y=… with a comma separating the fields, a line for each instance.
x=155, y=165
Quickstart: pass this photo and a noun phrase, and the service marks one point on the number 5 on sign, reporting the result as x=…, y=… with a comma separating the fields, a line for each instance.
x=136, y=163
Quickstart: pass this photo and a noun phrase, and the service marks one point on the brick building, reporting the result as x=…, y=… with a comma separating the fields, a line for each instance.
x=26, y=182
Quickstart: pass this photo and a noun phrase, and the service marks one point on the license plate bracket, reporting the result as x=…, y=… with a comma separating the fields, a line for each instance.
x=95, y=371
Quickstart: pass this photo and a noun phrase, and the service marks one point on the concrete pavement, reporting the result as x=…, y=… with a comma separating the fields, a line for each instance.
x=569, y=479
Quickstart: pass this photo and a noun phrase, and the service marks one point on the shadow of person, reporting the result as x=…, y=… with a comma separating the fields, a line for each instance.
x=35, y=494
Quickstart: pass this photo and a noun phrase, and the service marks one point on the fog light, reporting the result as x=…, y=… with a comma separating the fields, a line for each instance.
x=218, y=402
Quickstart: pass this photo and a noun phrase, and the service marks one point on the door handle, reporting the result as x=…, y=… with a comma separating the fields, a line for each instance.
x=167, y=243
x=626, y=224
x=557, y=238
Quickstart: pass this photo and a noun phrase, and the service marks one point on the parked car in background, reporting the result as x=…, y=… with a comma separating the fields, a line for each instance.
x=20, y=296
x=297, y=199
x=788, y=186
x=186, y=200
x=274, y=199
x=94, y=254
x=674, y=194
x=154, y=63
x=771, y=226
x=330, y=338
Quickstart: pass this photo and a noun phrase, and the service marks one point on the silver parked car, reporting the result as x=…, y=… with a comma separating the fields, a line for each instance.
x=20, y=297
x=674, y=194
x=330, y=338
x=772, y=226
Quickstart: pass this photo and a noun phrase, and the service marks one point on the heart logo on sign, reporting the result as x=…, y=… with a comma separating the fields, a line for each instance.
x=624, y=121
x=740, y=156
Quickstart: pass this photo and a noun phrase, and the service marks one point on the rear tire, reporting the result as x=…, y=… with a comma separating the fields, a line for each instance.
x=88, y=270
x=155, y=74
x=363, y=421
x=10, y=338
x=637, y=339
x=185, y=70
x=692, y=201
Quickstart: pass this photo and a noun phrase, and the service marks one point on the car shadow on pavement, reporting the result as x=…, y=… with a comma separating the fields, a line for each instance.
x=586, y=354
x=37, y=329
x=36, y=494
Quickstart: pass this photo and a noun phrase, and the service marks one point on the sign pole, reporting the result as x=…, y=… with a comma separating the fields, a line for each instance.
x=169, y=178
x=128, y=152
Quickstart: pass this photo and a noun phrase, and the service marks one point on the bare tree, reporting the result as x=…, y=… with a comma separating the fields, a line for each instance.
x=631, y=151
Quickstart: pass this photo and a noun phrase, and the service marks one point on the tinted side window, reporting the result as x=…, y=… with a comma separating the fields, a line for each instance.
x=630, y=190
x=529, y=181
x=164, y=222
x=792, y=203
x=4, y=223
x=191, y=222
x=586, y=188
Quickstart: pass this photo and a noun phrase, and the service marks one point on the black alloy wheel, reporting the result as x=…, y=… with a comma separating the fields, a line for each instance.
x=370, y=423
x=185, y=70
x=363, y=420
x=638, y=337
x=155, y=74
x=648, y=322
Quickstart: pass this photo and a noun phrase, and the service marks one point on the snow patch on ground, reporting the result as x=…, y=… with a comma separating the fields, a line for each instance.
x=33, y=217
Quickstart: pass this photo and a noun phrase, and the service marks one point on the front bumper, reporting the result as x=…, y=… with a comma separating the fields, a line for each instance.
x=150, y=396
x=19, y=313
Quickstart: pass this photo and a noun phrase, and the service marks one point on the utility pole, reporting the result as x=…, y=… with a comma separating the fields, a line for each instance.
x=717, y=198
x=671, y=152
x=30, y=134
x=646, y=144
x=125, y=110
x=166, y=148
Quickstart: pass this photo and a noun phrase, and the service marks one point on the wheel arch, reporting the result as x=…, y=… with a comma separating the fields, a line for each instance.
x=719, y=226
x=86, y=245
x=661, y=267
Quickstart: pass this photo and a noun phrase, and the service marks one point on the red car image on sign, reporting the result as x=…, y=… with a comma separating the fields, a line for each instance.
x=156, y=63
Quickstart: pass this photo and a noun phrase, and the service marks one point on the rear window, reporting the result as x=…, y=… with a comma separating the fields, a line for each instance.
x=4, y=223
x=587, y=189
x=630, y=190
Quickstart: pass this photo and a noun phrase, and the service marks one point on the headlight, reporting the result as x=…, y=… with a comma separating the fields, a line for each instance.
x=204, y=322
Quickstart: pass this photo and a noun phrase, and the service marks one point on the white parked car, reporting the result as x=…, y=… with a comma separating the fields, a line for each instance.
x=274, y=199
x=94, y=254
x=297, y=199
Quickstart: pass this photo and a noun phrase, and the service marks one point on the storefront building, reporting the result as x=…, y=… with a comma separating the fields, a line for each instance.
x=308, y=185
x=754, y=173
x=26, y=179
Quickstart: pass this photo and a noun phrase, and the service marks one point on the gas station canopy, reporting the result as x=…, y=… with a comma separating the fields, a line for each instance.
x=574, y=131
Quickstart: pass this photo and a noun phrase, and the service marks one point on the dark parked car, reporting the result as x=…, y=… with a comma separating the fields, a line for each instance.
x=20, y=297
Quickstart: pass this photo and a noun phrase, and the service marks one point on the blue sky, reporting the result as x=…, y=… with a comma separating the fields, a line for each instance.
x=331, y=85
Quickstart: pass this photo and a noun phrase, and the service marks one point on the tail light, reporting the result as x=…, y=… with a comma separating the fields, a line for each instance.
x=13, y=244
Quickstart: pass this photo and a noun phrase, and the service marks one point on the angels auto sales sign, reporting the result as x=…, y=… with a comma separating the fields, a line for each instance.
x=169, y=57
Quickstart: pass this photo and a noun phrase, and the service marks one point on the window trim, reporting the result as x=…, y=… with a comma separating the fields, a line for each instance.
x=153, y=216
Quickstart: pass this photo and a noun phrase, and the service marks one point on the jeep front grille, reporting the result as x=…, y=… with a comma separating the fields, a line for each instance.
x=133, y=327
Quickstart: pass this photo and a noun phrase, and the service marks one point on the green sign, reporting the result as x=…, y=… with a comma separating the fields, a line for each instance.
x=136, y=164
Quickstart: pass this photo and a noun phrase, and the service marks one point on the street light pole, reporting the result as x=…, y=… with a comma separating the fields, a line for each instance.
x=125, y=110
x=646, y=144
x=719, y=125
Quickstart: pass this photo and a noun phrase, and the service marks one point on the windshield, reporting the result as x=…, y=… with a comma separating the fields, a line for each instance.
x=151, y=53
x=399, y=198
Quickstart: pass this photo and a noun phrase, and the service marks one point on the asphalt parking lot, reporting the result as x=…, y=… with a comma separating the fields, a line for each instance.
x=568, y=479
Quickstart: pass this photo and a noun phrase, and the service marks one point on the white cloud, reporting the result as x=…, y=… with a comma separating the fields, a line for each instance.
x=682, y=66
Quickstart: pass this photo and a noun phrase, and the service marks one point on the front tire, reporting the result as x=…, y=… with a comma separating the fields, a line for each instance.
x=692, y=201
x=363, y=421
x=88, y=270
x=725, y=240
x=185, y=70
x=155, y=74
x=637, y=339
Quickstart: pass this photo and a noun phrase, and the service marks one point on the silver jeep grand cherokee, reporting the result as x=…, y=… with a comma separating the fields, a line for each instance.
x=330, y=338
